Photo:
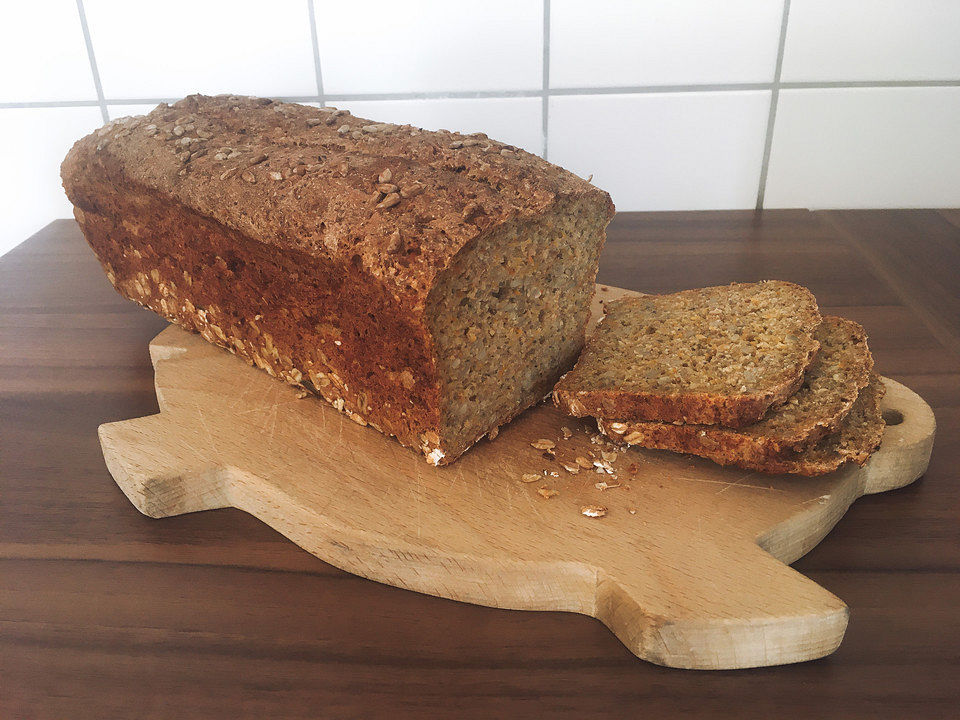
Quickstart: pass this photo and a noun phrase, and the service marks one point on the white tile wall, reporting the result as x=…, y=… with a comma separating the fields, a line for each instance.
x=177, y=47
x=664, y=151
x=888, y=40
x=512, y=120
x=606, y=103
x=650, y=42
x=30, y=190
x=384, y=46
x=876, y=147
x=42, y=53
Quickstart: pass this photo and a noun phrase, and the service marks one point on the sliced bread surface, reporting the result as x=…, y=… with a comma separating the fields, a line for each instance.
x=719, y=355
x=840, y=371
x=857, y=437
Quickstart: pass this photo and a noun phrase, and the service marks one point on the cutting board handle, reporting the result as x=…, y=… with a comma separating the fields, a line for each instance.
x=162, y=478
x=907, y=441
x=754, y=612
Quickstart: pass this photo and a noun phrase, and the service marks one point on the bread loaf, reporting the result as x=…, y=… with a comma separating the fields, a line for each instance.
x=712, y=356
x=430, y=284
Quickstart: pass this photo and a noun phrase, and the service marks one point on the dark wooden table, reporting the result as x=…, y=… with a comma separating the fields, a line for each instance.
x=105, y=613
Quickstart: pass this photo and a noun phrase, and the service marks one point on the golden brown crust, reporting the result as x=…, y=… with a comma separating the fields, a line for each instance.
x=858, y=435
x=320, y=181
x=699, y=408
x=281, y=238
x=633, y=393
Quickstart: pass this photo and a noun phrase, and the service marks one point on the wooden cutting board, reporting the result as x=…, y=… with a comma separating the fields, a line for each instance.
x=687, y=567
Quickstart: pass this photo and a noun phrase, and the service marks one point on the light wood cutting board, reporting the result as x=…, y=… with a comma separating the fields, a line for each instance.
x=687, y=567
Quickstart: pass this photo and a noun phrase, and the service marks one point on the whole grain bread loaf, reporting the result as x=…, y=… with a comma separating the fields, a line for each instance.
x=718, y=355
x=840, y=371
x=855, y=439
x=430, y=284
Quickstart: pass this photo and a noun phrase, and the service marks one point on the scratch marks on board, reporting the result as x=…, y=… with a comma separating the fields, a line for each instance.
x=727, y=484
x=206, y=429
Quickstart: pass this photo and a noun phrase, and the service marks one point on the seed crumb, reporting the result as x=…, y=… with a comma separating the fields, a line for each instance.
x=571, y=468
x=567, y=434
x=546, y=492
x=302, y=394
x=584, y=462
x=632, y=511
x=543, y=444
x=593, y=511
x=604, y=485
x=529, y=477
x=389, y=201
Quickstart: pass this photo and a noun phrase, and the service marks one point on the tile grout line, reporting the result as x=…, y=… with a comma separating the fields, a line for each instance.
x=545, y=101
x=660, y=89
x=539, y=93
x=851, y=84
x=312, y=15
x=49, y=104
x=774, y=100
x=93, y=62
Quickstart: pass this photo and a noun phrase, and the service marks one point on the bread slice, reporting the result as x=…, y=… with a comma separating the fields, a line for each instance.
x=841, y=369
x=718, y=355
x=857, y=437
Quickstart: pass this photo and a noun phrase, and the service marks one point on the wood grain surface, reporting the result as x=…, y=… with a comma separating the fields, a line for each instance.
x=106, y=613
x=686, y=566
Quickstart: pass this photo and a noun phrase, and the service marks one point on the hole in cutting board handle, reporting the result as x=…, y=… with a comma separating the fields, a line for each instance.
x=892, y=417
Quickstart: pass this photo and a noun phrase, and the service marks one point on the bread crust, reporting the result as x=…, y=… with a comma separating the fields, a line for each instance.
x=307, y=249
x=856, y=437
x=694, y=408
x=832, y=384
x=450, y=186
x=574, y=396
